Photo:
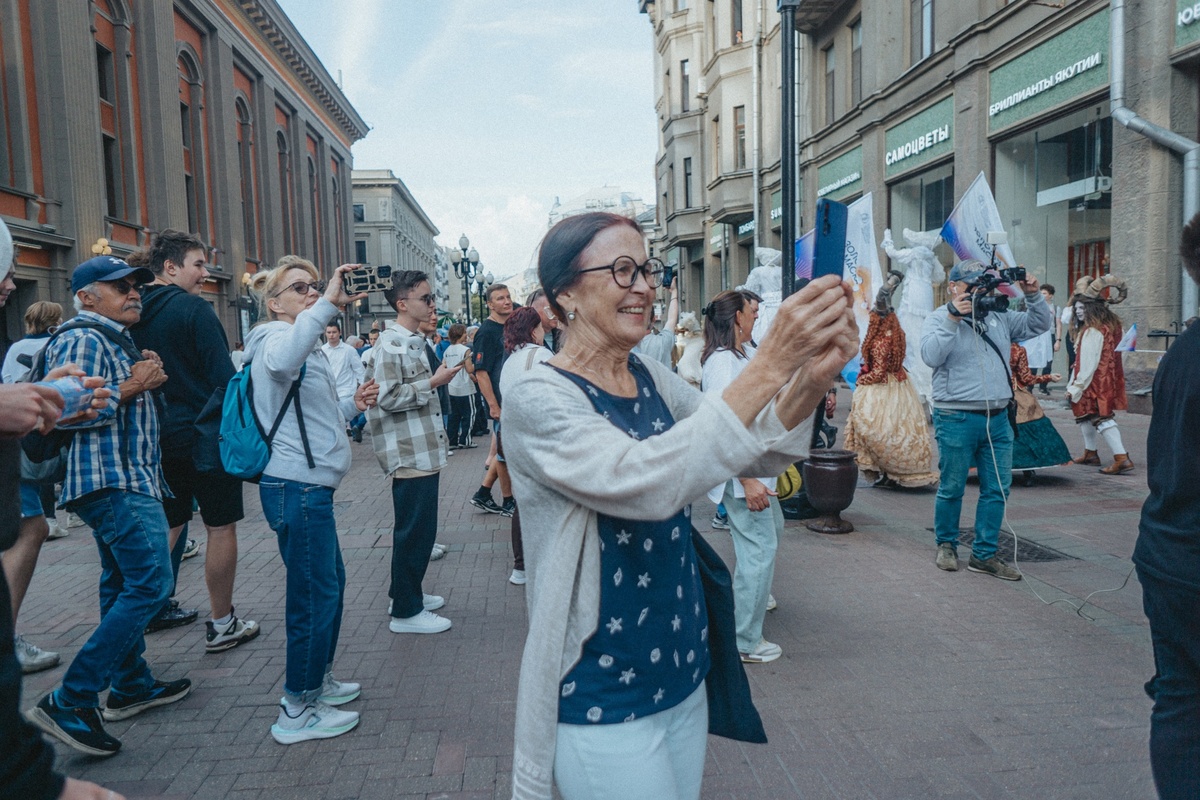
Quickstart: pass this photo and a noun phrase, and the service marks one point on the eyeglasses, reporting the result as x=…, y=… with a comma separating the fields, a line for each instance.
x=303, y=288
x=426, y=299
x=625, y=271
x=122, y=287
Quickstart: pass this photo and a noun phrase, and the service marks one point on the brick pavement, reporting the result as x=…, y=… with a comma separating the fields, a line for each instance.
x=897, y=680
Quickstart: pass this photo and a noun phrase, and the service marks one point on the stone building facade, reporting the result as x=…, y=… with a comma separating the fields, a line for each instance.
x=391, y=228
x=120, y=118
x=911, y=100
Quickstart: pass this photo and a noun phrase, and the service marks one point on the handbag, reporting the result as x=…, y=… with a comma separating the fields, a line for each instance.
x=731, y=711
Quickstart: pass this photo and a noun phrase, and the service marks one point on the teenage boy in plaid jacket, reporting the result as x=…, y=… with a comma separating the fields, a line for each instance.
x=410, y=443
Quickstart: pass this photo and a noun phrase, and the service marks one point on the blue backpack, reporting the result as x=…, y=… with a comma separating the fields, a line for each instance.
x=245, y=447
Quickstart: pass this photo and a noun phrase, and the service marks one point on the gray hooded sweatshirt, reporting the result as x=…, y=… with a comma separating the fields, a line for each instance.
x=967, y=374
x=275, y=351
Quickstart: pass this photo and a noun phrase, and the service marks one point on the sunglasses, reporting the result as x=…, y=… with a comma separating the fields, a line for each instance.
x=625, y=271
x=426, y=299
x=303, y=288
x=122, y=287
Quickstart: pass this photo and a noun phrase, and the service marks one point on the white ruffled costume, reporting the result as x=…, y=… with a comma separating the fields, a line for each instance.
x=922, y=271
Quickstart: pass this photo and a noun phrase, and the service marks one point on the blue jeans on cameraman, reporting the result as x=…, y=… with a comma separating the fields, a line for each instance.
x=135, y=578
x=301, y=514
x=962, y=438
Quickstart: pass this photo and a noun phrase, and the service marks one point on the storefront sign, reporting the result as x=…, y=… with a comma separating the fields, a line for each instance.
x=1071, y=64
x=842, y=176
x=776, y=206
x=1187, y=22
x=920, y=138
x=717, y=240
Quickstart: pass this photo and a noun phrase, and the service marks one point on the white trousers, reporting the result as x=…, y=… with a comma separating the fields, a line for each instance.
x=659, y=757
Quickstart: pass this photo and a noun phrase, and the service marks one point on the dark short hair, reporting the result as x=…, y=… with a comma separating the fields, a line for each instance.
x=558, y=255
x=139, y=258
x=1049, y=287
x=403, y=283
x=334, y=323
x=535, y=295
x=457, y=332
x=495, y=287
x=171, y=245
x=1189, y=248
x=519, y=327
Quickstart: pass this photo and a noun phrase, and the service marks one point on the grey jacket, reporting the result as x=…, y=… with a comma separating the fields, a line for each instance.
x=967, y=374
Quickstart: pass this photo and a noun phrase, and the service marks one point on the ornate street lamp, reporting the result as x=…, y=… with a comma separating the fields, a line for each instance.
x=466, y=266
x=482, y=282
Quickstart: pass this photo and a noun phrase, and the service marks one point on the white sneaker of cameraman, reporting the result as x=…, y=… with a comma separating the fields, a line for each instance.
x=317, y=720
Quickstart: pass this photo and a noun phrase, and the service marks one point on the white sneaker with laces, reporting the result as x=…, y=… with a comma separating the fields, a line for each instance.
x=238, y=631
x=425, y=622
x=318, y=720
x=517, y=578
x=432, y=602
x=336, y=693
x=763, y=653
x=57, y=531
x=74, y=520
x=31, y=657
x=771, y=604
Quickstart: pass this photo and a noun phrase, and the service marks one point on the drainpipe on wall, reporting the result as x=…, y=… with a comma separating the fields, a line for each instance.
x=756, y=113
x=1190, y=293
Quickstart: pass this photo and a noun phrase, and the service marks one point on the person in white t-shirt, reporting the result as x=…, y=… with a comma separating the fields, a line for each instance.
x=462, y=390
x=755, y=518
x=347, y=368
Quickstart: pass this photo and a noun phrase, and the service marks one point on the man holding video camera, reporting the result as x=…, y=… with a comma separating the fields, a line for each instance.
x=964, y=342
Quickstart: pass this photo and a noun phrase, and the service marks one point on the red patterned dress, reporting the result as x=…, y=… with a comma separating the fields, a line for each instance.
x=1101, y=377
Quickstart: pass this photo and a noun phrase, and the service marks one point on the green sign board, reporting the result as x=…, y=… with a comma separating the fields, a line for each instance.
x=841, y=177
x=921, y=138
x=1187, y=22
x=1071, y=64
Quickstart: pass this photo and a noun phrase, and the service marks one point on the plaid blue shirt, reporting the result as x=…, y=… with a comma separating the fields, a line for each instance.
x=119, y=449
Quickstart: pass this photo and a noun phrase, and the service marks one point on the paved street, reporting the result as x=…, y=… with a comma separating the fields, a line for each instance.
x=897, y=680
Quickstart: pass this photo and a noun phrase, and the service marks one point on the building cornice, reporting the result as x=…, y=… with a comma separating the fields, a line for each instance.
x=279, y=32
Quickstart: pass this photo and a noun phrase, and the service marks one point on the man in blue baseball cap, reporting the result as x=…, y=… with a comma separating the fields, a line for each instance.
x=967, y=347
x=114, y=482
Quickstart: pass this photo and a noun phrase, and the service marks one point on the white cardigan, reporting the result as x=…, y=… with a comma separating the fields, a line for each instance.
x=568, y=464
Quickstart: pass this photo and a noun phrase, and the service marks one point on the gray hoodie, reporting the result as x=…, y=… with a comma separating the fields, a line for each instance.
x=275, y=351
x=967, y=373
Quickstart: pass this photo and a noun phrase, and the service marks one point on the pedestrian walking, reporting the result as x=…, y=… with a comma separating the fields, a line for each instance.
x=461, y=390
x=611, y=700
x=309, y=458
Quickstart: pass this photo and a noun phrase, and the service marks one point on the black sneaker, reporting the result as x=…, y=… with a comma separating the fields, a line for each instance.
x=172, y=616
x=160, y=694
x=509, y=508
x=78, y=728
x=486, y=503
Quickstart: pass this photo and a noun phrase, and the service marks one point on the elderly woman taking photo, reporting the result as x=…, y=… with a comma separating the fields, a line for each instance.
x=606, y=460
x=294, y=383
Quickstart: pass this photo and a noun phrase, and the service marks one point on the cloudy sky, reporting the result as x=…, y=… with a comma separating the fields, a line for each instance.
x=488, y=110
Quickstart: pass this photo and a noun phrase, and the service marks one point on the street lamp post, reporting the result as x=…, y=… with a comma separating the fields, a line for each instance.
x=466, y=266
x=482, y=282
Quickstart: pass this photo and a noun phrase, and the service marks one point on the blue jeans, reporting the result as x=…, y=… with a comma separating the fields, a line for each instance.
x=301, y=514
x=1174, y=614
x=962, y=438
x=755, y=540
x=135, y=578
x=415, y=501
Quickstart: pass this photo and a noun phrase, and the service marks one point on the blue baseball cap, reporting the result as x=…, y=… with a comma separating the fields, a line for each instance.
x=965, y=270
x=107, y=268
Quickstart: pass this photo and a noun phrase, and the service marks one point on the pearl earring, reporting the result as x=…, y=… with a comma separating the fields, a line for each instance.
x=571, y=315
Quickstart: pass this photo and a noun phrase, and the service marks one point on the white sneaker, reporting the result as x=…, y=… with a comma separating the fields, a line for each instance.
x=317, y=721
x=763, y=653
x=425, y=622
x=31, y=657
x=57, y=531
x=432, y=602
x=335, y=692
x=517, y=578
x=771, y=604
x=438, y=551
x=74, y=520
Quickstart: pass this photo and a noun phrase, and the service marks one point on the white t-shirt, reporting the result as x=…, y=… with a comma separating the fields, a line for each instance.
x=721, y=369
x=460, y=385
x=520, y=361
x=30, y=346
x=346, y=366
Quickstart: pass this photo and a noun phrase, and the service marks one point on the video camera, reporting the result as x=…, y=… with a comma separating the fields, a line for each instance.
x=980, y=287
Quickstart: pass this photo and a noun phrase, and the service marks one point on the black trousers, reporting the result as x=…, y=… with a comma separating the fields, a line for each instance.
x=462, y=417
x=415, y=503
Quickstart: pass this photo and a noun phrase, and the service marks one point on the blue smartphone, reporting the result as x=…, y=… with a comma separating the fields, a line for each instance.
x=829, y=247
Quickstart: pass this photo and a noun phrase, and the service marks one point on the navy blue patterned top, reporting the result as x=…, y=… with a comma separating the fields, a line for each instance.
x=650, y=650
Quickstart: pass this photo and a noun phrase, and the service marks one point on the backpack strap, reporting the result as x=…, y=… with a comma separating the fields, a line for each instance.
x=293, y=396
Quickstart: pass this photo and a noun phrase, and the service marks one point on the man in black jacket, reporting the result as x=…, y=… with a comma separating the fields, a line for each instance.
x=181, y=326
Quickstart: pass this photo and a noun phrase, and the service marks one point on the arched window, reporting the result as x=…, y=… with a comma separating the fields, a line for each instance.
x=111, y=36
x=248, y=180
x=314, y=192
x=287, y=206
x=191, y=121
x=339, y=210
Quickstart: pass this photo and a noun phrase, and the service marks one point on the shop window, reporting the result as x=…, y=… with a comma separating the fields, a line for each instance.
x=1053, y=187
x=856, y=77
x=739, y=137
x=687, y=183
x=830, y=57
x=920, y=29
x=922, y=202
x=685, y=92
x=735, y=14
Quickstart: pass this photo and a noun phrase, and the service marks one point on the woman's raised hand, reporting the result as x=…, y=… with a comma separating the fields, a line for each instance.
x=335, y=291
x=817, y=321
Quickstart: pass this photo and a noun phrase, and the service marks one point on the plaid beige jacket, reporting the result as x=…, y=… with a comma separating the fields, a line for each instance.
x=406, y=424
